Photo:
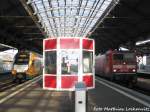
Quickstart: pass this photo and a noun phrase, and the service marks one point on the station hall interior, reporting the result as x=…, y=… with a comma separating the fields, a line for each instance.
x=120, y=34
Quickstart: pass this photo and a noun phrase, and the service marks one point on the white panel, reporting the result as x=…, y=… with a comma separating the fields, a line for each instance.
x=20, y=68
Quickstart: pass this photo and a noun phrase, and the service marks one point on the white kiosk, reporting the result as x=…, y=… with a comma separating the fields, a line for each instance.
x=68, y=61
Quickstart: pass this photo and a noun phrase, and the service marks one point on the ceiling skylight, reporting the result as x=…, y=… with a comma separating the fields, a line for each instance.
x=69, y=18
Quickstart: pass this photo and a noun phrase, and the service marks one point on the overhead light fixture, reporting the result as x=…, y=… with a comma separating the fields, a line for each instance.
x=142, y=42
x=123, y=49
x=28, y=2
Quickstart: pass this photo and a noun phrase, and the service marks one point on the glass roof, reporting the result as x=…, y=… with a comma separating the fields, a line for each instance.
x=69, y=18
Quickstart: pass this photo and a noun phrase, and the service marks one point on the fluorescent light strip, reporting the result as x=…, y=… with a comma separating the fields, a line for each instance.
x=142, y=42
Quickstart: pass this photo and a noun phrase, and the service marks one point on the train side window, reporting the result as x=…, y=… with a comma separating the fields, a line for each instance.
x=33, y=62
x=87, y=62
x=50, y=62
x=36, y=63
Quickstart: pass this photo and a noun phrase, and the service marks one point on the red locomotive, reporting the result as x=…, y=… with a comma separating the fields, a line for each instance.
x=118, y=65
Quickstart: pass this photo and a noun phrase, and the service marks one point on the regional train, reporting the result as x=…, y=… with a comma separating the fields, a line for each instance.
x=117, y=65
x=27, y=65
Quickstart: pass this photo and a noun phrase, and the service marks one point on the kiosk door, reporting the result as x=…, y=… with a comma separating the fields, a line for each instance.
x=69, y=62
x=69, y=68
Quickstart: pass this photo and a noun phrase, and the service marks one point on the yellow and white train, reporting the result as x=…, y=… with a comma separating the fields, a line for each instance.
x=26, y=65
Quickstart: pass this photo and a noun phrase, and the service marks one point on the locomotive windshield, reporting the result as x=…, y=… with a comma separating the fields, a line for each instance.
x=124, y=57
x=118, y=56
x=22, y=58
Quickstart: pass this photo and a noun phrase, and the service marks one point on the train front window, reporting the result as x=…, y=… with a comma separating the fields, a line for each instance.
x=124, y=57
x=22, y=58
x=50, y=62
x=69, y=62
x=129, y=56
x=118, y=57
x=87, y=61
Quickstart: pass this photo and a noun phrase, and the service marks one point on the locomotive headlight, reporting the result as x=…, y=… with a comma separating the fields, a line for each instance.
x=133, y=70
x=115, y=70
x=13, y=72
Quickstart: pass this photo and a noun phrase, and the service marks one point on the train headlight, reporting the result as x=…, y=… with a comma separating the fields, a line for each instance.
x=13, y=72
x=133, y=70
x=115, y=70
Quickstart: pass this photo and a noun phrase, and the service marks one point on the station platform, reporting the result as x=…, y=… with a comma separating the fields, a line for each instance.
x=144, y=83
x=143, y=72
x=107, y=96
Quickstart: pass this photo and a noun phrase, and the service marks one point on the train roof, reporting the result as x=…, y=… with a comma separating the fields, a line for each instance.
x=119, y=51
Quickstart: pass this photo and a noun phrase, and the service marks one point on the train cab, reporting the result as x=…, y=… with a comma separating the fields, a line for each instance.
x=26, y=65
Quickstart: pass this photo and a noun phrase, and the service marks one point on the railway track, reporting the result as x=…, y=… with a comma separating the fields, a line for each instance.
x=7, y=85
x=137, y=88
x=6, y=82
x=142, y=90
